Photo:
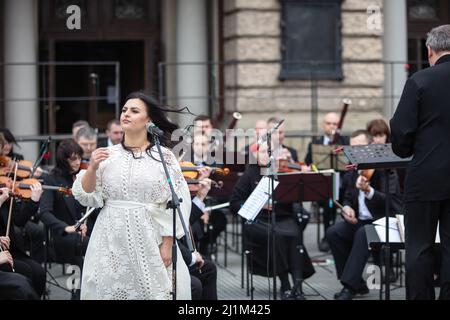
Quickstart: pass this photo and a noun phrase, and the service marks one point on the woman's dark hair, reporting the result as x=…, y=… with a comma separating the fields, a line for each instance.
x=157, y=114
x=66, y=149
x=379, y=126
x=8, y=136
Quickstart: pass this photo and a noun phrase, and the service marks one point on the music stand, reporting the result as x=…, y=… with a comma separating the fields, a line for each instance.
x=325, y=157
x=299, y=187
x=378, y=156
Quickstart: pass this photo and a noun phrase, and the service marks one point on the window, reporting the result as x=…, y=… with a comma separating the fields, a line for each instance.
x=311, y=39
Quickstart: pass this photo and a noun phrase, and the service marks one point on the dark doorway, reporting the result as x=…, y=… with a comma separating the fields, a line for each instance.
x=90, y=81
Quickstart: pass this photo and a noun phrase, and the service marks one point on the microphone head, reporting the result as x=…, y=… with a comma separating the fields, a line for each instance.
x=153, y=129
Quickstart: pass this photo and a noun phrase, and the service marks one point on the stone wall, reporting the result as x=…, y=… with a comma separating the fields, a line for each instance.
x=252, y=33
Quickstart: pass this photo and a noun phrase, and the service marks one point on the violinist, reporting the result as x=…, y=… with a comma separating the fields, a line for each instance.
x=364, y=202
x=8, y=151
x=60, y=212
x=329, y=126
x=215, y=222
x=20, y=214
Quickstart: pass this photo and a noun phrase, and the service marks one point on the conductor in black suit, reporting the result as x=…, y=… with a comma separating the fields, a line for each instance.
x=421, y=128
x=329, y=126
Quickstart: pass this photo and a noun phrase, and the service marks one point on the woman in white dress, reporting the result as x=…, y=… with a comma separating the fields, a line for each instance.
x=129, y=255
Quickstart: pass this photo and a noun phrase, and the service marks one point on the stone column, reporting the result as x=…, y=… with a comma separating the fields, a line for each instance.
x=395, y=49
x=21, y=79
x=192, y=81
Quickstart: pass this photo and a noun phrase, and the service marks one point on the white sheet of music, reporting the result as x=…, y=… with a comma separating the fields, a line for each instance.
x=257, y=199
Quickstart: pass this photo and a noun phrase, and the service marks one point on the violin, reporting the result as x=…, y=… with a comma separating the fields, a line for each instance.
x=367, y=173
x=22, y=188
x=190, y=171
x=287, y=166
x=24, y=167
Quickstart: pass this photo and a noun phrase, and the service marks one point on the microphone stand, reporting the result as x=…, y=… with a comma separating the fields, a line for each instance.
x=174, y=204
x=44, y=150
x=271, y=208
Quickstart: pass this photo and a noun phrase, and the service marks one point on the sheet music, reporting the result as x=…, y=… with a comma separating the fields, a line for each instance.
x=257, y=199
x=394, y=233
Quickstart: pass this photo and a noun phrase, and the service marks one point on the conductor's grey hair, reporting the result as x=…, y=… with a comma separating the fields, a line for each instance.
x=438, y=39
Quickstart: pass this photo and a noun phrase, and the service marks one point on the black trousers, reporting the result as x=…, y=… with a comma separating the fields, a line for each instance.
x=14, y=286
x=29, y=268
x=204, y=282
x=421, y=219
x=348, y=244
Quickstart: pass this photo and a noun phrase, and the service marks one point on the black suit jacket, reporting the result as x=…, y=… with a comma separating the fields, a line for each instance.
x=319, y=140
x=376, y=205
x=57, y=210
x=21, y=213
x=420, y=128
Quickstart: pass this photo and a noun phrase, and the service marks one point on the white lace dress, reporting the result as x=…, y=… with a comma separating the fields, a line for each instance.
x=123, y=259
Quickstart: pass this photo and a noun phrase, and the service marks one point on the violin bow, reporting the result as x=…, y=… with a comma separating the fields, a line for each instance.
x=11, y=202
x=44, y=150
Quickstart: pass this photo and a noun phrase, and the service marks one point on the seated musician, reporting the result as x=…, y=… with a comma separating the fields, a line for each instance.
x=329, y=126
x=364, y=202
x=288, y=257
x=13, y=286
x=208, y=228
x=203, y=271
x=60, y=212
x=21, y=213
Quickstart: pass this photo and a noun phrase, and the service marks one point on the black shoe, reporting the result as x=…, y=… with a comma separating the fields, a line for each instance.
x=344, y=294
x=323, y=245
x=363, y=290
x=287, y=295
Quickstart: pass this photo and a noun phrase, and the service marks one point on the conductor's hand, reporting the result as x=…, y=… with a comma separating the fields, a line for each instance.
x=97, y=156
x=166, y=251
x=4, y=195
x=349, y=215
x=5, y=257
x=4, y=242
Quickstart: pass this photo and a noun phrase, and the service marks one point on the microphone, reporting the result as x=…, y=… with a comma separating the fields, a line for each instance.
x=254, y=147
x=153, y=129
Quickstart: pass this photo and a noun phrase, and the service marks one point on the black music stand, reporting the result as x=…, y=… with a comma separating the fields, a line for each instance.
x=378, y=156
x=299, y=187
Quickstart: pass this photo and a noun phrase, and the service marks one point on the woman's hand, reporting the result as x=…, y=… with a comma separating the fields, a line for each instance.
x=36, y=191
x=98, y=156
x=4, y=242
x=166, y=251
